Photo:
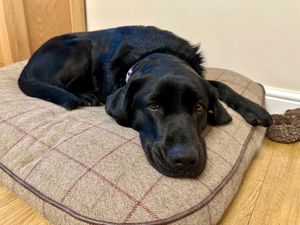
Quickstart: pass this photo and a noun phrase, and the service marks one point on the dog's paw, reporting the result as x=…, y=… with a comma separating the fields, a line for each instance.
x=69, y=103
x=257, y=116
x=89, y=99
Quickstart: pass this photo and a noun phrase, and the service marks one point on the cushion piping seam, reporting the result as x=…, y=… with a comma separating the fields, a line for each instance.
x=173, y=218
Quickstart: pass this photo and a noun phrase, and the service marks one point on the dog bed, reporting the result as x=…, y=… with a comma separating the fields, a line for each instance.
x=80, y=167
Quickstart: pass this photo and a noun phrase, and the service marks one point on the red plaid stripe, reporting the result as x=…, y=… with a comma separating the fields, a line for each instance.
x=22, y=138
x=19, y=114
x=55, y=148
x=233, y=137
x=92, y=167
x=220, y=74
x=205, y=185
x=19, y=100
x=101, y=128
x=240, y=119
x=209, y=215
x=218, y=154
x=120, y=190
x=140, y=202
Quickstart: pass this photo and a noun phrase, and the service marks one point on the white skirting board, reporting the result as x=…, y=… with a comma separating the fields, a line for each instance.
x=279, y=100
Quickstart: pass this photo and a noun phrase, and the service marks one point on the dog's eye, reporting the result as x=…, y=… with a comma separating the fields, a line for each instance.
x=199, y=107
x=153, y=106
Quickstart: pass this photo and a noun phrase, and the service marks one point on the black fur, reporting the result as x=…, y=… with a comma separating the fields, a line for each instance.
x=166, y=98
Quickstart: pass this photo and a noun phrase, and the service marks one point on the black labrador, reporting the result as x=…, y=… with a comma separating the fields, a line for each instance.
x=149, y=79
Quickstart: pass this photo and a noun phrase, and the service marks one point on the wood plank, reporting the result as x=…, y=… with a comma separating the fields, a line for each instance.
x=13, y=211
x=77, y=13
x=46, y=19
x=240, y=210
x=261, y=161
x=26, y=25
x=279, y=199
x=14, y=43
x=5, y=51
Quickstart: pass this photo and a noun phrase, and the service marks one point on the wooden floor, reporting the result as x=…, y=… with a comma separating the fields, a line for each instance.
x=269, y=194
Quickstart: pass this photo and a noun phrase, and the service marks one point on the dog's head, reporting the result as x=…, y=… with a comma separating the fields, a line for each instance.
x=169, y=104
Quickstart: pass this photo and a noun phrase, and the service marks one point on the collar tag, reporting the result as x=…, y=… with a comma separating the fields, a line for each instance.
x=128, y=75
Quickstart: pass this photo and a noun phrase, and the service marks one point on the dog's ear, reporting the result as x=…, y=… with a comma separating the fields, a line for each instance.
x=118, y=105
x=217, y=114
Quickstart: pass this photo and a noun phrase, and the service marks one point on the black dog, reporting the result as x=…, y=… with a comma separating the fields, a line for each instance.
x=149, y=79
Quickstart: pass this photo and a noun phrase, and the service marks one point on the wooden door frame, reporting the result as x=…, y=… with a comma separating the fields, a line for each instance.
x=14, y=39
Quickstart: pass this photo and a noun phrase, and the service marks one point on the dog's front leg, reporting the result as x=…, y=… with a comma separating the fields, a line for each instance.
x=253, y=113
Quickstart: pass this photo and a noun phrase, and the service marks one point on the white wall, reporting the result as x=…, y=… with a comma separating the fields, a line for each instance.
x=260, y=39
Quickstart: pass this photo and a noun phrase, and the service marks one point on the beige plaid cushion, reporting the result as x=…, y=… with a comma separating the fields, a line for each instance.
x=80, y=167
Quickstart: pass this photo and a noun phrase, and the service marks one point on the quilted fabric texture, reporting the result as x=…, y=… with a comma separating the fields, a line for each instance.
x=80, y=167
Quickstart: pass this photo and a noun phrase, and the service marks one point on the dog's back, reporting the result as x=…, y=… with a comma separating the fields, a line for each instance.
x=84, y=68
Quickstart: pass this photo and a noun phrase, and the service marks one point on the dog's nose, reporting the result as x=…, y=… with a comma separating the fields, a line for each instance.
x=182, y=158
